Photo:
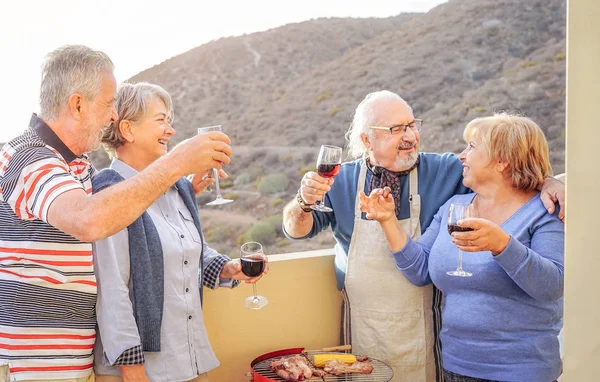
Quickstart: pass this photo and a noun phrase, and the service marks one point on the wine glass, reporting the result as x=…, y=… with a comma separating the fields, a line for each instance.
x=328, y=166
x=253, y=265
x=459, y=211
x=219, y=200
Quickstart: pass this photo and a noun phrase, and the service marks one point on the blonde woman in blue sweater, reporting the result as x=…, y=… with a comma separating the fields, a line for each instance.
x=502, y=323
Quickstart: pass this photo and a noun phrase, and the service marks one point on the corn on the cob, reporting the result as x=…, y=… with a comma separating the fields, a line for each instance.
x=321, y=359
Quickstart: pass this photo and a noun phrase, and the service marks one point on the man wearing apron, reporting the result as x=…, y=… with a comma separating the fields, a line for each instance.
x=384, y=315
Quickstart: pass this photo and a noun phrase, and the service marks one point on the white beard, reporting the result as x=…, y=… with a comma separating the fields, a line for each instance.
x=405, y=163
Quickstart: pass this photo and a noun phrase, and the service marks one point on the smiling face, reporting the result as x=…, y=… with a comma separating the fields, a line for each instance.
x=393, y=151
x=152, y=133
x=479, y=169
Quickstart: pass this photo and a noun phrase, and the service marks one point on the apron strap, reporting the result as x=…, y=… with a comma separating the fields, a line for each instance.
x=415, y=204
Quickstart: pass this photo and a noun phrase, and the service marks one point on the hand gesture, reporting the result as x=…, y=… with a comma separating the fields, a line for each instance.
x=233, y=270
x=379, y=205
x=486, y=236
x=200, y=181
x=202, y=152
x=313, y=187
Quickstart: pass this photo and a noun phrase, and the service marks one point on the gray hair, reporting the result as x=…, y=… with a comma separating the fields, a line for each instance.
x=363, y=117
x=67, y=70
x=132, y=103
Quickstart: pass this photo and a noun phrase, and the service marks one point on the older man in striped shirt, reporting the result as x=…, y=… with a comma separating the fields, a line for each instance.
x=49, y=217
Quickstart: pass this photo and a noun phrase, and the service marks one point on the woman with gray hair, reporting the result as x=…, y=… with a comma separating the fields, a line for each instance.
x=150, y=275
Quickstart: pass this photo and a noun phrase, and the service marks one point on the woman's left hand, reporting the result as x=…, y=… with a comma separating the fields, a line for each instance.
x=233, y=270
x=201, y=181
x=486, y=236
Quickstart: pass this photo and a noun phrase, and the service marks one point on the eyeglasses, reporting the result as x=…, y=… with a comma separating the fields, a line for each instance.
x=415, y=126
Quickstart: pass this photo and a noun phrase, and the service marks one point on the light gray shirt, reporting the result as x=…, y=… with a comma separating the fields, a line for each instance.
x=185, y=348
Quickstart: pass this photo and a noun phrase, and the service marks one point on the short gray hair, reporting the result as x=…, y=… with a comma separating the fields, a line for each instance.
x=67, y=70
x=363, y=117
x=132, y=103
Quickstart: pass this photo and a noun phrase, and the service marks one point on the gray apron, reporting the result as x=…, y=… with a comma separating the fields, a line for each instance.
x=390, y=318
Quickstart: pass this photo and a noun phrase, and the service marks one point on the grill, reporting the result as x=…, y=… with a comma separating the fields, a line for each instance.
x=262, y=373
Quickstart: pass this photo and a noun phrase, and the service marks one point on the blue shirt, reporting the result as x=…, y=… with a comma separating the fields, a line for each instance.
x=440, y=177
x=502, y=323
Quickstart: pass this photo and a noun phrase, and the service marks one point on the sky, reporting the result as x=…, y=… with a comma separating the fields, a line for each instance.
x=138, y=34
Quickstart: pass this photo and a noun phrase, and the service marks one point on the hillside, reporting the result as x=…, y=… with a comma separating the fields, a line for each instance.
x=282, y=93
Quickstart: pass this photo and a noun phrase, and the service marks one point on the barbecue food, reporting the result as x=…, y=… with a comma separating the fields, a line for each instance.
x=321, y=359
x=336, y=367
x=295, y=368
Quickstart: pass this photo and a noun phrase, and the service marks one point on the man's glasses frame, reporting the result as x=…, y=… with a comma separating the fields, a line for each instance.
x=415, y=126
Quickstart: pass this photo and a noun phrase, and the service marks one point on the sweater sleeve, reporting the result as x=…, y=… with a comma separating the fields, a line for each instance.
x=413, y=259
x=538, y=269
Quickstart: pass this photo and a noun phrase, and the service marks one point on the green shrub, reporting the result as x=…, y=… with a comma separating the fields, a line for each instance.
x=273, y=183
x=218, y=234
x=333, y=111
x=276, y=221
x=559, y=56
x=527, y=64
x=285, y=158
x=243, y=178
x=230, y=195
x=225, y=183
x=478, y=109
x=323, y=96
x=305, y=169
x=276, y=202
x=264, y=233
x=283, y=243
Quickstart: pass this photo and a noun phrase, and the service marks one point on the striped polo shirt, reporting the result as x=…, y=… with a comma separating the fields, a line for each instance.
x=47, y=283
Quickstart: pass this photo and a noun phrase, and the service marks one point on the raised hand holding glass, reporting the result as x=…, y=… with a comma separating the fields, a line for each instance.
x=219, y=199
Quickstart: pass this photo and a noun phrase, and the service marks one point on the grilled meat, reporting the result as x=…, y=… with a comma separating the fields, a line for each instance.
x=294, y=368
x=336, y=367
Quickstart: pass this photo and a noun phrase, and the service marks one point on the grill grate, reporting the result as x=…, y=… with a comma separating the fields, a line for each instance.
x=381, y=372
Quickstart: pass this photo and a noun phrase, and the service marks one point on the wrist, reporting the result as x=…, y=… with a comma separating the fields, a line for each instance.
x=502, y=245
x=170, y=168
x=302, y=204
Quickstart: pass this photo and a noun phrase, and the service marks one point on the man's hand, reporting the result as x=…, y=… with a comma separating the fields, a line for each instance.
x=200, y=181
x=486, y=236
x=233, y=270
x=553, y=190
x=379, y=205
x=134, y=373
x=313, y=187
x=202, y=152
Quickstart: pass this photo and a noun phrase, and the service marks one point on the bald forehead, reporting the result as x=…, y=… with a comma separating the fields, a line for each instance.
x=392, y=111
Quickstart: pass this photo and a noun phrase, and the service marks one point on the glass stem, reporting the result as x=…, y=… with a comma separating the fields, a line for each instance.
x=459, y=260
x=323, y=199
x=216, y=176
x=254, y=289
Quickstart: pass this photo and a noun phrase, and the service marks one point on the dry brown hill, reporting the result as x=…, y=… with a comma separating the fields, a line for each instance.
x=282, y=93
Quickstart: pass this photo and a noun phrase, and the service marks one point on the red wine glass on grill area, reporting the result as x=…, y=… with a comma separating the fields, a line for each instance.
x=459, y=211
x=329, y=164
x=219, y=199
x=253, y=265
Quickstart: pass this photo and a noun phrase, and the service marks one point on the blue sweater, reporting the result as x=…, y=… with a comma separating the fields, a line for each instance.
x=502, y=323
x=440, y=177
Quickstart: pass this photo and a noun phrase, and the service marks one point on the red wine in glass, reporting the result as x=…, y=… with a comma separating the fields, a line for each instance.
x=252, y=267
x=456, y=212
x=253, y=264
x=329, y=170
x=457, y=228
x=329, y=164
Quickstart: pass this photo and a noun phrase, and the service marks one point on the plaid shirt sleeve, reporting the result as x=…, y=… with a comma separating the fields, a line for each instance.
x=212, y=271
x=131, y=356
